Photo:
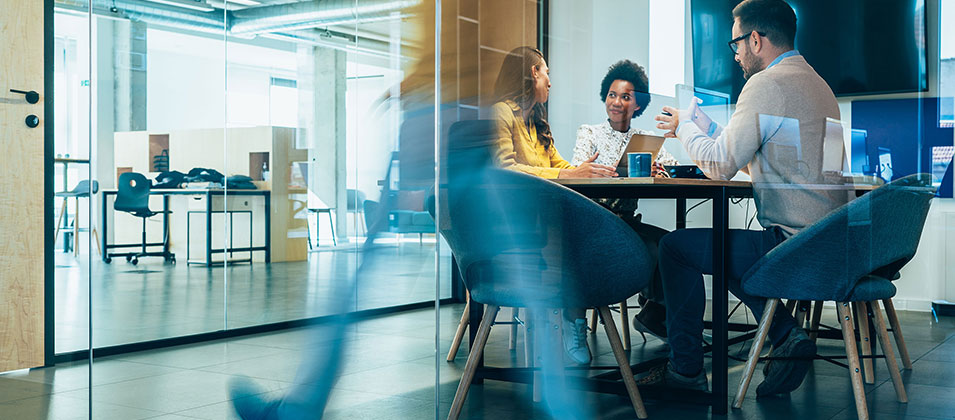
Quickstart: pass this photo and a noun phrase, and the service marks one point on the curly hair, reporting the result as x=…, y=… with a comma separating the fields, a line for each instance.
x=633, y=73
x=515, y=83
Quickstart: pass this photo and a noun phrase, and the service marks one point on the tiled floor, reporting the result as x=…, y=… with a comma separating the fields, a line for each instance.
x=389, y=373
x=156, y=300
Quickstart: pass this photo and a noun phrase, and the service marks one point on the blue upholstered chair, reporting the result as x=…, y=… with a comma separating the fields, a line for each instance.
x=522, y=241
x=847, y=257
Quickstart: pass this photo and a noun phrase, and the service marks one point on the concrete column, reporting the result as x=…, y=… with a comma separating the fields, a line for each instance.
x=119, y=75
x=327, y=148
x=129, y=83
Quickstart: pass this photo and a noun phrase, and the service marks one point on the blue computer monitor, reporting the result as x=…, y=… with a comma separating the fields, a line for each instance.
x=859, y=163
x=715, y=104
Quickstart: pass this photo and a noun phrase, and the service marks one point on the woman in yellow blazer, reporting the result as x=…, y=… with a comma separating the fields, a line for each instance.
x=524, y=141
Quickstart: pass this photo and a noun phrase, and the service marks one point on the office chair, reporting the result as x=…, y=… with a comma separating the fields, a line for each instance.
x=132, y=197
x=854, y=251
x=518, y=243
x=83, y=189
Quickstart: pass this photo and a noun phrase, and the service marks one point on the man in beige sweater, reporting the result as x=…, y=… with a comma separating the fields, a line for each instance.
x=776, y=136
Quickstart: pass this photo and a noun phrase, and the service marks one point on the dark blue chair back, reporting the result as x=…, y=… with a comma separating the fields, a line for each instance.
x=867, y=240
x=133, y=194
x=524, y=241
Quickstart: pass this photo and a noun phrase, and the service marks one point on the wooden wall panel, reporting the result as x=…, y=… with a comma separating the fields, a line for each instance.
x=21, y=182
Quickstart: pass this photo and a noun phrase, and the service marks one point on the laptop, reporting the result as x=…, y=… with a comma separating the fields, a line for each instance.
x=641, y=143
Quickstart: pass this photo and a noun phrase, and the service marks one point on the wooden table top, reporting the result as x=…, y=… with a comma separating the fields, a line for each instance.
x=624, y=181
x=651, y=181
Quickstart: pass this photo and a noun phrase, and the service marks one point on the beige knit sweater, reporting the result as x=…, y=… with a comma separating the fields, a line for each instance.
x=776, y=135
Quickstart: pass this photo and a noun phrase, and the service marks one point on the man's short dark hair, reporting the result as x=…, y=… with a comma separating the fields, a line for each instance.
x=633, y=73
x=775, y=18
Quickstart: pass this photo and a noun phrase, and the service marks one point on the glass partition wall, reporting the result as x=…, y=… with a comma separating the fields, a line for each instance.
x=280, y=192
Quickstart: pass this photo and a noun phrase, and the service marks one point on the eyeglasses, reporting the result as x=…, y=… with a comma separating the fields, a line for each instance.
x=734, y=43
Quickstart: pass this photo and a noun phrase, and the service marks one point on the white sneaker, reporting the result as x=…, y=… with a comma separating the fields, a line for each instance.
x=575, y=341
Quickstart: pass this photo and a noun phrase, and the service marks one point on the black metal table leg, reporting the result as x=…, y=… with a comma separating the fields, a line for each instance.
x=104, y=231
x=457, y=283
x=720, y=296
x=268, y=227
x=476, y=312
x=165, y=227
x=208, y=228
x=681, y=213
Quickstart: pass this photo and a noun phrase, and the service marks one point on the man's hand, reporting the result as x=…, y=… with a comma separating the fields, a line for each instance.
x=669, y=123
x=589, y=169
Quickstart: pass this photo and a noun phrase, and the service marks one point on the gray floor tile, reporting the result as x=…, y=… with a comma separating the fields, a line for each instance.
x=56, y=406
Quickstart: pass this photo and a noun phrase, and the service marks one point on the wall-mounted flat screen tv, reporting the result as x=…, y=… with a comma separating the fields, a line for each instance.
x=859, y=47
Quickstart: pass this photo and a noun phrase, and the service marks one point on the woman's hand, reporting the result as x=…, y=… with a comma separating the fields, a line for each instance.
x=659, y=171
x=589, y=169
x=669, y=122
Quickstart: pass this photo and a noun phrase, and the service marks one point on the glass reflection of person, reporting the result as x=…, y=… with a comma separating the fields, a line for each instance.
x=524, y=142
x=780, y=83
x=625, y=93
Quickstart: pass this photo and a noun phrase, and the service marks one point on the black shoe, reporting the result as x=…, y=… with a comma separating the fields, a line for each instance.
x=664, y=375
x=652, y=320
x=783, y=376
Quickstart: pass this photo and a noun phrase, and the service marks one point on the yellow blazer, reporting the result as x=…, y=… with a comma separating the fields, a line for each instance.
x=518, y=148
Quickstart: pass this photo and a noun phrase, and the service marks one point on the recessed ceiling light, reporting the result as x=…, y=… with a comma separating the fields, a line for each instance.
x=245, y=2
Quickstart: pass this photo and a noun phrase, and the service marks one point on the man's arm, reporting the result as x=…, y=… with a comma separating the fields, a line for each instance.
x=722, y=157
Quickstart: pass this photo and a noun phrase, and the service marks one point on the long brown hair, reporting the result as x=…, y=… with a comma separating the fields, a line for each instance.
x=515, y=82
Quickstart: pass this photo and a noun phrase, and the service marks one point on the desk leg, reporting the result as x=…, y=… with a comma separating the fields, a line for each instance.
x=476, y=312
x=165, y=227
x=268, y=227
x=457, y=283
x=208, y=229
x=103, y=228
x=720, y=296
x=681, y=213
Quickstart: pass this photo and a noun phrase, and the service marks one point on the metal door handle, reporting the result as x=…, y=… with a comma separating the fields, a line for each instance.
x=31, y=96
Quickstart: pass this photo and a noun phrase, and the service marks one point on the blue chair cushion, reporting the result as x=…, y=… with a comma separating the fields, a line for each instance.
x=871, y=288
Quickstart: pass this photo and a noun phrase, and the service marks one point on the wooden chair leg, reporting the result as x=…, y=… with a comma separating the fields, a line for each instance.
x=897, y=332
x=593, y=321
x=761, y=332
x=623, y=361
x=865, y=341
x=59, y=221
x=470, y=368
x=814, y=320
x=512, y=340
x=459, y=334
x=625, y=324
x=888, y=352
x=852, y=353
x=99, y=248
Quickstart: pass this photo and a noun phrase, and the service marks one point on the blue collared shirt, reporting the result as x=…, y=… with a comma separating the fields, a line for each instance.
x=783, y=56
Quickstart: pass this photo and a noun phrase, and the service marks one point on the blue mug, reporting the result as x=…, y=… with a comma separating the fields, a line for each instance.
x=638, y=164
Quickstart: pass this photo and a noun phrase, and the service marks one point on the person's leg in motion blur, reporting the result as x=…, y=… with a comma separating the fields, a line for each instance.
x=685, y=255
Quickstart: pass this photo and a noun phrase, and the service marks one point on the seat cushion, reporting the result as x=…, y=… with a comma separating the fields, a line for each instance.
x=422, y=218
x=872, y=288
